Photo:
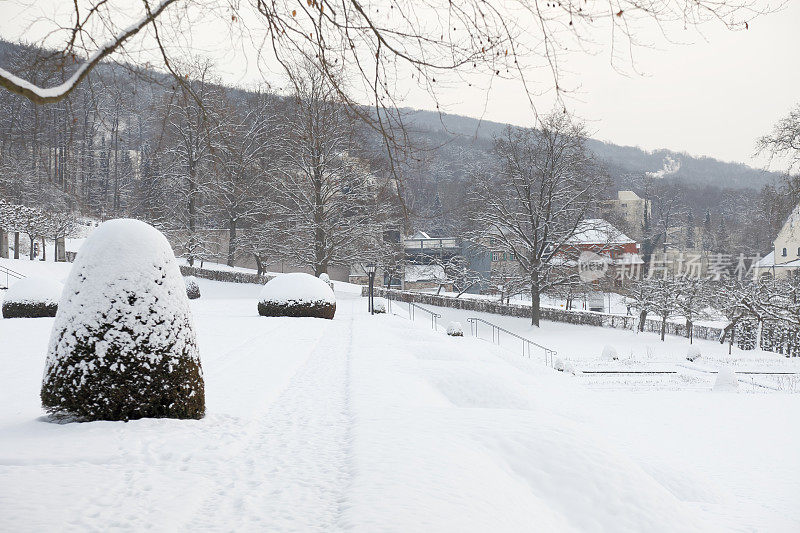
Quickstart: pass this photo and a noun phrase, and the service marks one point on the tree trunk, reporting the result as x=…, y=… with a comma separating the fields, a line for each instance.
x=30, y=254
x=259, y=265
x=536, y=310
x=231, y=241
x=16, y=245
x=758, y=334
x=663, y=326
x=642, y=319
x=44, y=250
x=689, y=330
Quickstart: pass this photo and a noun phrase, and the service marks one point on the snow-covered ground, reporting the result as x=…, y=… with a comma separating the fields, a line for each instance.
x=644, y=352
x=375, y=423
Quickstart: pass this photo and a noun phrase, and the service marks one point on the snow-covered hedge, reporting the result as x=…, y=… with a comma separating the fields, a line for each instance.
x=297, y=294
x=379, y=305
x=692, y=353
x=726, y=381
x=32, y=298
x=225, y=275
x=454, y=329
x=123, y=343
x=192, y=288
x=781, y=338
x=609, y=353
x=589, y=318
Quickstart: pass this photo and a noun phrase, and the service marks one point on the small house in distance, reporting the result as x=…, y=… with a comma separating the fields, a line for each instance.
x=597, y=236
x=784, y=258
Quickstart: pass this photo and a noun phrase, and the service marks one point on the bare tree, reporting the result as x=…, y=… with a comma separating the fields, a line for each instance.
x=378, y=44
x=325, y=194
x=191, y=127
x=243, y=166
x=534, y=207
x=783, y=142
x=692, y=302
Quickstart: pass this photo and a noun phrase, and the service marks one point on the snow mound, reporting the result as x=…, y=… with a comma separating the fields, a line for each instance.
x=454, y=329
x=609, y=353
x=297, y=294
x=32, y=298
x=123, y=343
x=564, y=366
x=726, y=381
x=192, y=288
x=379, y=305
x=693, y=353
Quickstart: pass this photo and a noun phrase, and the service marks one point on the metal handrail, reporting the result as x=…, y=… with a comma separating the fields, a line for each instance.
x=549, y=355
x=10, y=274
x=411, y=307
x=434, y=316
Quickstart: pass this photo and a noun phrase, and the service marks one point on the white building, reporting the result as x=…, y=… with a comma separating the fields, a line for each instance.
x=630, y=207
x=785, y=255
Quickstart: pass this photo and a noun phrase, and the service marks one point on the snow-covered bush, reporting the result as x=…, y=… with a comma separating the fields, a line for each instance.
x=454, y=329
x=609, y=353
x=32, y=298
x=192, y=288
x=692, y=353
x=297, y=294
x=726, y=380
x=379, y=305
x=564, y=366
x=123, y=343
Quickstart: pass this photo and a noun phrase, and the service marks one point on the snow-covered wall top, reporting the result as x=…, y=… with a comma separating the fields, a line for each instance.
x=34, y=291
x=296, y=287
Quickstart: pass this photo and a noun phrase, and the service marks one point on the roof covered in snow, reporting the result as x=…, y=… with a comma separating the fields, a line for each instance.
x=296, y=287
x=598, y=231
x=768, y=261
x=414, y=273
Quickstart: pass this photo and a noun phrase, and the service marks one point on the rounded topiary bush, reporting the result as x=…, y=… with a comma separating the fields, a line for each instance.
x=32, y=298
x=297, y=294
x=454, y=329
x=123, y=343
x=192, y=288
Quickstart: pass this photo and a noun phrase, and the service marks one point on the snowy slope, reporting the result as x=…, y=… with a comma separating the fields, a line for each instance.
x=378, y=424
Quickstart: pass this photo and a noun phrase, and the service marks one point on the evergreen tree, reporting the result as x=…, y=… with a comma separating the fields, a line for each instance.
x=689, y=242
x=708, y=238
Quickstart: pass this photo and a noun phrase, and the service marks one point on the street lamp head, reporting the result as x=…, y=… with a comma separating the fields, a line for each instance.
x=370, y=268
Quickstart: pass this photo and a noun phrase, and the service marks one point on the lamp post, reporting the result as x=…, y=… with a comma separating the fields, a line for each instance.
x=370, y=268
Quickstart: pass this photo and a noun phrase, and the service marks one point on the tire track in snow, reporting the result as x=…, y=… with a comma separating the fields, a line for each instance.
x=294, y=472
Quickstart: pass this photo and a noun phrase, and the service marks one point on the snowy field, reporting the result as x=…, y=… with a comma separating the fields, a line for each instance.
x=583, y=347
x=381, y=424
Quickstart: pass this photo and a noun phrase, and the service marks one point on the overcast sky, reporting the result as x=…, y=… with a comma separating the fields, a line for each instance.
x=711, y=97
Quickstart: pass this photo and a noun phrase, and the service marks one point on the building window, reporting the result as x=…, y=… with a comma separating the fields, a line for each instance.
x=495, y=256
x=784, y=252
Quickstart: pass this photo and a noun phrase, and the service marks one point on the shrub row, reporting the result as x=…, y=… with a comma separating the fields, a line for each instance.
x=225, y=275
x=29, y=309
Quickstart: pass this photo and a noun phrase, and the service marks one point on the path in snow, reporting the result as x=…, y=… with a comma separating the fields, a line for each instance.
x=293, y=472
